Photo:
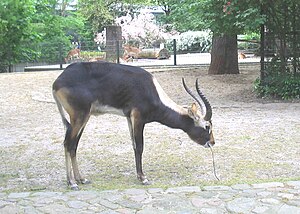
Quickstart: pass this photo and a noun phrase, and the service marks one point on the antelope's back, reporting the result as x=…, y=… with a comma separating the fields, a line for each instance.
x=116, y=85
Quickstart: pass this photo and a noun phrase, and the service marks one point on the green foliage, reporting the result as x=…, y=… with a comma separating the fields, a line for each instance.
x=278, y=84
x=15, y=19
x=97, y=13
x=249, y=45
x=221, y=17
x=91, y=54
x=281, y=77
x=37, y=31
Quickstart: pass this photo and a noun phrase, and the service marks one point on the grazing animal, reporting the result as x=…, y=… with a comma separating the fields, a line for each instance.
x=72, y=54
x=130, y=53
x=95, y=88
x=242, y=56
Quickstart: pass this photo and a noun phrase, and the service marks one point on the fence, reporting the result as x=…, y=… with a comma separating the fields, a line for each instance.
x=53, y=57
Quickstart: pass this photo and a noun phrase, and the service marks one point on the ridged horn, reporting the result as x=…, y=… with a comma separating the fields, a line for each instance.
x=202, y=106
x=208, y=112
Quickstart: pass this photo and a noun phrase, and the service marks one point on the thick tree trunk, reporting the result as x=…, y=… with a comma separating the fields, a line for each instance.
x=224, y=55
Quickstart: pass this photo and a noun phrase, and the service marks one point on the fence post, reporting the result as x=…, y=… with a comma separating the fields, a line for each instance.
x=262, y=51
x=60, y=57
x=113, y=34
x=174, y=51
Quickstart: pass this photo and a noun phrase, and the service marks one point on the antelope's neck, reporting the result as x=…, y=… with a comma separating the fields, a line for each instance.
x=170, y=113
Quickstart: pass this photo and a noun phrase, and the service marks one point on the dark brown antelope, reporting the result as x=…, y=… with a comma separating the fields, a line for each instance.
x=97, y=88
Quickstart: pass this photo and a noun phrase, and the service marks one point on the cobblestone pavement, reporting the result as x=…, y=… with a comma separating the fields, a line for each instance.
x=274, y=197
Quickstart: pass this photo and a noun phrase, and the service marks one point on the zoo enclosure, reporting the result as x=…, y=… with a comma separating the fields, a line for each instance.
x=52, y=56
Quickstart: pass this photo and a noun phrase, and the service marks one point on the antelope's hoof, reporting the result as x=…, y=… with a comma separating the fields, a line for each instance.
x=85, y=181
x=146, y=182
x=74, y=187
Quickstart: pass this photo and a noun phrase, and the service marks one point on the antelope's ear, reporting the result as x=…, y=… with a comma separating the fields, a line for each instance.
x=193, y=111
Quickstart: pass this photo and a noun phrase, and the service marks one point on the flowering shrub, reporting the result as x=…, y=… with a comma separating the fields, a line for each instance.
x=194, y=41
x=140, y=31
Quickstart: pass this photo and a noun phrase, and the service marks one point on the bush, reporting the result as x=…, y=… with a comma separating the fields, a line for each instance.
x=277, y=83
x=86, y=55
x=194, y=41
x=249, y=45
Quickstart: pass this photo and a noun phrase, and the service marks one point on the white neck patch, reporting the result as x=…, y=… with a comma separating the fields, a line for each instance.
x=166, y=100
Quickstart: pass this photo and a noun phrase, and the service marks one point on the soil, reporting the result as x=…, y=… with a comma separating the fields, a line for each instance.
x=257, y=140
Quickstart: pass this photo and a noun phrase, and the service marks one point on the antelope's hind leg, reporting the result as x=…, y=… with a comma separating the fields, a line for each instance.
x=73, y=134
x=136, y=129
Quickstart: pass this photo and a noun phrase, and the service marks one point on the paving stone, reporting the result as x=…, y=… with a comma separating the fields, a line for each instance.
x=183, y=189
x=274, y=197
x=155, y=190
x=135, y=191
x=241, y=186
x=199, y=202
x=241, y=205
x=294, y=184
x=10, y=209
x=109, y=212
x=4, y=203
x=130, y=204
x=286, y=195
x=260, y=209
x=226, y=195
x=208, y=194
x=2, y=195
x=267, y=185
x=56, y=209
x=172, y=202
x=251, y=192
x=217, y=188
x=264, y=194
x=106, y=203
x=30, y=210
x=125, y=211
x=112, y=196
x=138, y=198
x=77, y=204
x=211, y=210
x=88, y=195
x=270, y=201
x=286, y=209
x=18, y=195
x=294, y=203
x=46, y=194
x=150, y=210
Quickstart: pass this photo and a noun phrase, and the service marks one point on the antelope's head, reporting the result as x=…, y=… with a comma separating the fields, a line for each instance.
x=201, y=133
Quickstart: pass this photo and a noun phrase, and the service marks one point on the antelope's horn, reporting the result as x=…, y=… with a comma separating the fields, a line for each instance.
x=195, y=98
x=208, y=112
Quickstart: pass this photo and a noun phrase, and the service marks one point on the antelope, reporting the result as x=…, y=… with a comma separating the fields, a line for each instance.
x=72, y=53
x=130, y=53
x=242, y=56
x=94, y=88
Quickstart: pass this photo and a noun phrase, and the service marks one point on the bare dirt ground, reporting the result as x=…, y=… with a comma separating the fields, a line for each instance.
x=256, y=140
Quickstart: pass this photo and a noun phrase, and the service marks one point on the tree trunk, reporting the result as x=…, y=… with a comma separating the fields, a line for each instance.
x=224, y=55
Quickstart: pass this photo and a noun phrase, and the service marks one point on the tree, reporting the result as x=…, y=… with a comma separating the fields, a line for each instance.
x=280, y=76
x=103, y=12
x=225, y=19
x=14, y=30
x=35, y=31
